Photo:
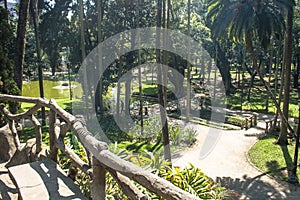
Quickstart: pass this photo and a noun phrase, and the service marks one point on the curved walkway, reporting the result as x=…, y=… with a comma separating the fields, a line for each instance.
x=227, y=163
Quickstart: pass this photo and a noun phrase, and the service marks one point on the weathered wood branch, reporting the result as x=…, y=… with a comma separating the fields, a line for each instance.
x=5, y=111
x=64, y=128
x=98, y=180
x=12, y=126
x=87, y=138
x=53, y=130
x=69, y=118
x=40, y=101
x=38, y=133
x=20, y=116
x=13, y=129
x=77, y=162
x=128, y=187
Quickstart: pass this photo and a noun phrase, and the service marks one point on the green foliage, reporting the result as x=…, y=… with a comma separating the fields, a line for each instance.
x=192, y=180
x=7, y=84
x=151, y=130
x=181, y=136
x=111, y=129
x=237, y=19
x=235, y=120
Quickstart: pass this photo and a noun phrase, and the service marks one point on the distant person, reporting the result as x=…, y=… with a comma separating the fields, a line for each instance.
x=98, y=109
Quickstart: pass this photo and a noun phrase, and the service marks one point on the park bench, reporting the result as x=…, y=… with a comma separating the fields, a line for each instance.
x=250, y=120
x=245, y=121
x=47, y=181
x=269, y=124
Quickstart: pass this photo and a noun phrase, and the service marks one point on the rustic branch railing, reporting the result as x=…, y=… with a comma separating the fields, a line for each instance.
x=102, y=161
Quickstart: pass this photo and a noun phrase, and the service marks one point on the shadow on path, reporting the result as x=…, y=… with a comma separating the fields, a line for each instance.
x=254, y=188
x=6, y=190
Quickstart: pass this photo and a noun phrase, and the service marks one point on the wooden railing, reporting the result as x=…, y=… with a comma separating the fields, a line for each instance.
x=103, y=160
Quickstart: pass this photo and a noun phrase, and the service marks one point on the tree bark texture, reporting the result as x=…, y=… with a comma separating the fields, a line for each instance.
x=20, y=42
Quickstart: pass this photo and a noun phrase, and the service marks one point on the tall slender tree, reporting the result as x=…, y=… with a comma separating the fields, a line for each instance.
x=163, y=116
x=20, y=42
x=35, y=17
x=188, y=96
x=288, y=46
x=83, y=54
x=139, y=67
x=99, y=87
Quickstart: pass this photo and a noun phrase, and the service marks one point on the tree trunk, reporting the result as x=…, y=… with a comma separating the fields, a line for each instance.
x=273, y=128
x=177, y=79
x=5, y=5
x=99, y=89
x=83, y=55
x=127, y=95
x=139, y=70
x=249, y=45
x=35, y=16
x=282, y=139
x=120, y=70
x=296, y=73
x=224, y=68
x=163, y=116
x=251, y=85
x=188, y=95
x=20, y=42
x=269, y=69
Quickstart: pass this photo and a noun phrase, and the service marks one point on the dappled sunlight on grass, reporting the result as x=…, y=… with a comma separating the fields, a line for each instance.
x=258, y=99
x=272, y=159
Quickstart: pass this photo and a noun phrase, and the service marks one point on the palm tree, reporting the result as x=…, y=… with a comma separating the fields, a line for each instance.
x=246, y=20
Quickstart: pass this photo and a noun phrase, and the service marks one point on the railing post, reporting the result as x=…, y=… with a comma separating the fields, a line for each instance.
x=38, y=133
x=255, y=119
x=53, y=148
x=13, y=129
x=98, y=180
x=246, y=124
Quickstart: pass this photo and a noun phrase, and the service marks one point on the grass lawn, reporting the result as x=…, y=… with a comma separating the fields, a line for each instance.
x=66, y=104
x=273, y=159
x=258, y=98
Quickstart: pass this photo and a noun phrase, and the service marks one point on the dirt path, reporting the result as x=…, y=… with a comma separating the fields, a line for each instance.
x=227, y=163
